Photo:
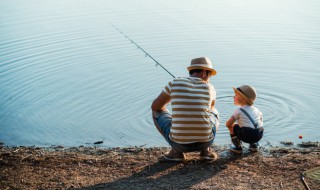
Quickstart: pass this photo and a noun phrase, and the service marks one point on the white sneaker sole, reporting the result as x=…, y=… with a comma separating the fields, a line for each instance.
x=207, y=158
x=253, y=149
x=167, y=159
x=236, y=151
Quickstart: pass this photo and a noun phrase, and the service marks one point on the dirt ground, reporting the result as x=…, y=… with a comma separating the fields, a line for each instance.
x=92, y=168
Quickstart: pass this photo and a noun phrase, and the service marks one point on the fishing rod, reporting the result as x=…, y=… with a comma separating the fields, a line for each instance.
x=147, y=54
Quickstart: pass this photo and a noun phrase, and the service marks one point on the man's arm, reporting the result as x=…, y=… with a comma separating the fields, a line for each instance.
x=212, y=104
x=160, y=103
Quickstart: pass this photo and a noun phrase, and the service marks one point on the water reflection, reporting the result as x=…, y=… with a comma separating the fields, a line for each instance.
x=69, y=78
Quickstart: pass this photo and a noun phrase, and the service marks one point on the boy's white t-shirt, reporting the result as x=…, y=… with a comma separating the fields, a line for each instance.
x=244, y=121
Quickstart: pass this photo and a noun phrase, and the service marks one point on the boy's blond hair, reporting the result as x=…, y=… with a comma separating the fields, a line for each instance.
x=247, y=92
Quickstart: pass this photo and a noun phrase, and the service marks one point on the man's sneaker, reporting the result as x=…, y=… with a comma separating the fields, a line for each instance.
x=208, y=155
x=253, y=147
x=236, y=149
x=172, y=155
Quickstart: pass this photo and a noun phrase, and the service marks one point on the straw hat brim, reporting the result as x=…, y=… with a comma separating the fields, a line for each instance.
x=243, y=95
x=213, y=72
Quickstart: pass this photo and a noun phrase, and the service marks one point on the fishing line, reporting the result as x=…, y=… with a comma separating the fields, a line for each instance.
x=147, y=54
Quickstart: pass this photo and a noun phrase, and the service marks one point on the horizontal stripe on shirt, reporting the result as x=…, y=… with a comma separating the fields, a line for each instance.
x=191, y=100
x=185, y=85
x=188, y=109
x=190, y=113
x=190, y=103
x=191, y=132
x=185, y=135
x=190, y=91
x=190, y=116
x=190, y=122
x=191, y=128
x=188, y=140
x=192, y=125
x=190, y=97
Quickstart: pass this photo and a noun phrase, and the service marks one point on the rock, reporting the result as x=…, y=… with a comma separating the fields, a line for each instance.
x=309, y=144
x=287, y=143
x=98, y=142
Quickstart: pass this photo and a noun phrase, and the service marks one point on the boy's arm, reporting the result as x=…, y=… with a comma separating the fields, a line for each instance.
x=230, y=124
x=261, y=119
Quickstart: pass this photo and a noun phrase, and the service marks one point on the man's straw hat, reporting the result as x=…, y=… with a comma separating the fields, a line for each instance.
x=202, y=63
x=247, y=92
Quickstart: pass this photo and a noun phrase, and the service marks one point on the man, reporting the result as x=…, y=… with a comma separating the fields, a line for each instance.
x=194, y=120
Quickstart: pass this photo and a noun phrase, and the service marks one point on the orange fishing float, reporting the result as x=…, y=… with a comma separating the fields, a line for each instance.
x=300, y=136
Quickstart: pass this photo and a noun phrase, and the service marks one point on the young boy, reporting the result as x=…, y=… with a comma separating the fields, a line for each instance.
x=249, y=127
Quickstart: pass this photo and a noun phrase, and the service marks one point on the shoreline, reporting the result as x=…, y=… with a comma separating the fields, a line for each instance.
x=302, y=144
x=97, y=145
x=138, y=168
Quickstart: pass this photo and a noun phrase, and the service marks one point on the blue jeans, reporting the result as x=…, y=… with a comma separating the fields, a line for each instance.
x=164, y=122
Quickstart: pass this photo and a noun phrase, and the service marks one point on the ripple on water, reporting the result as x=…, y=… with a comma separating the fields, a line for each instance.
x=68, y=77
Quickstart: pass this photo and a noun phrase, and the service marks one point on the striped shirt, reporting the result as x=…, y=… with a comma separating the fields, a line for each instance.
x=191, y=100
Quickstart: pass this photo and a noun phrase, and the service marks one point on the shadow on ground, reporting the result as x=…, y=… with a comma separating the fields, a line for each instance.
x=171, y=175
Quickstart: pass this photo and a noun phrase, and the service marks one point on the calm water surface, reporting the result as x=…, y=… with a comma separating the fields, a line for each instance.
x=67, y=77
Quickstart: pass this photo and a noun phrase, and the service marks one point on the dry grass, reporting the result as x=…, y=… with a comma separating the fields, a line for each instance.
x=138, y=168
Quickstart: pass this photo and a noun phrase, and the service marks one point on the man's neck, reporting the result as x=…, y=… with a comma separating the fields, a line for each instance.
x=197, y=75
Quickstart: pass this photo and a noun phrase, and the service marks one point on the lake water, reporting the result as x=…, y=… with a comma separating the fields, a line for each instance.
x=67, y=77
